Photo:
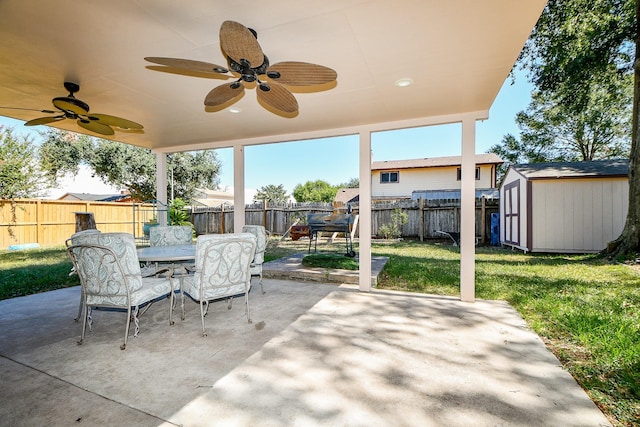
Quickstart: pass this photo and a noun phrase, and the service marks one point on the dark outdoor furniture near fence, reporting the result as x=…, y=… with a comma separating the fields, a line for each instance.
x=425, y=217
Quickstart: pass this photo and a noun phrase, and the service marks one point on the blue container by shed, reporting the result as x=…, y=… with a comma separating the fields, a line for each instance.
x=495, y=229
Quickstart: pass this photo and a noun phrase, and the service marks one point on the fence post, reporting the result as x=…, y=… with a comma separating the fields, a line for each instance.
x=39, y=220
x=264, y=213
x=483, y=220
x=222, y=219
x=421, y=219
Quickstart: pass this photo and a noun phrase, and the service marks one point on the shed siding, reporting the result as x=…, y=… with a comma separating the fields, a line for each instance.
x=436, y=178
x=577, y=215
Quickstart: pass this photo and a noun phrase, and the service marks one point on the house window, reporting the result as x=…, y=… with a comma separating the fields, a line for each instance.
x=389, y=177
x=477, y=173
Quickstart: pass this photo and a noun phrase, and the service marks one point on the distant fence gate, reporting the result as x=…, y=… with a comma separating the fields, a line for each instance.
x=51, y=222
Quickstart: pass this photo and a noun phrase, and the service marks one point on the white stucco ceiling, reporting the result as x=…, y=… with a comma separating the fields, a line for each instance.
x=458, y=53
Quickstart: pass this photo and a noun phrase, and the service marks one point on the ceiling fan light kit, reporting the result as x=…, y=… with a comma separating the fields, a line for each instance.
x=248, y=63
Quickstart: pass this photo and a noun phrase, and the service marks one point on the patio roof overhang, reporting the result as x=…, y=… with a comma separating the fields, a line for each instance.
x=457, y=53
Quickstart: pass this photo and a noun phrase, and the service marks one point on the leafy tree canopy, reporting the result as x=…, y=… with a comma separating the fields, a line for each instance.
x=352, y=183
x=314, y=191
x=20, y=176
x=271, y=193
x=581, y=50
x=579, y=43
x=127, y=166
x=549, y=132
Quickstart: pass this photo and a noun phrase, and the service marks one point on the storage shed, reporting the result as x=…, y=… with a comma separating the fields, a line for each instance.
x=569, y=207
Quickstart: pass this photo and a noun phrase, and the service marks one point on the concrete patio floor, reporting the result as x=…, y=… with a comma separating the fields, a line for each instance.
x=315, y=354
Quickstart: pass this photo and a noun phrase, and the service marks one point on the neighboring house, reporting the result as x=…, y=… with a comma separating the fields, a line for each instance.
x=344, y=196
x=87, y=197
x=570, y=207
x=212, y=198
x=397, y=179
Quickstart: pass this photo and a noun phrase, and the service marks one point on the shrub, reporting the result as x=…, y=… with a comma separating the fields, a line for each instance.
x=394, y=228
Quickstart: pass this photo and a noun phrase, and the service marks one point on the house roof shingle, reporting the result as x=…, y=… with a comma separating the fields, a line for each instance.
x=596, y=168
x=432, y=162
x=347, y=195
x=94, y=197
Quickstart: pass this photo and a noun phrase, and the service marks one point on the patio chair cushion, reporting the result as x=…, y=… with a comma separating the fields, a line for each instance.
x=261, y=245
x=123, y=244
x=170, y=235
x=222, y=262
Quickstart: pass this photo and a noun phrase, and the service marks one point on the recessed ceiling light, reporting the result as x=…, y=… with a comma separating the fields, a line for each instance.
x=235, y=110
x=403, y=82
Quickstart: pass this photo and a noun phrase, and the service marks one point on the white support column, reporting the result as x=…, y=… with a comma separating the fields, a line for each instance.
x=365, y=212
x=161, y=186
x=238, y=188
x=467, y=211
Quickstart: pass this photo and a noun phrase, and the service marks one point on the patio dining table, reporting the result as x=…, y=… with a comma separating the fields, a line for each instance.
x=179, y=256
x=176, y=253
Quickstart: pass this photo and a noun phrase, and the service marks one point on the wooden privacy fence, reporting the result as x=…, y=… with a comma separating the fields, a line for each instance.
x=51, y=222
x=425, y=217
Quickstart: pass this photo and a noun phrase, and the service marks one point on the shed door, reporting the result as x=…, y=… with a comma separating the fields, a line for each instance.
x=512, y=213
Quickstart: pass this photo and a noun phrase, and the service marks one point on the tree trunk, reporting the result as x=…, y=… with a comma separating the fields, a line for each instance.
x=629, y=241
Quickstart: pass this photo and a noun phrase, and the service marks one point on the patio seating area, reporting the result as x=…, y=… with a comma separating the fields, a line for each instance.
x=315, y=354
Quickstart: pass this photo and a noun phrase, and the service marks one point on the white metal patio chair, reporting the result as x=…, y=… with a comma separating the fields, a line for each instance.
x=167, y=235
x=109, y=271
x=222, y=271
x=261, y=245
x=73, y=269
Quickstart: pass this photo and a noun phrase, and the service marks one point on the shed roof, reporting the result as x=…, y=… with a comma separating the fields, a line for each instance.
x=432, y=162
x=595, y=168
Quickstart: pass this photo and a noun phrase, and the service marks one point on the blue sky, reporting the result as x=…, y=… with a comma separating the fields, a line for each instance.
x=335, y=160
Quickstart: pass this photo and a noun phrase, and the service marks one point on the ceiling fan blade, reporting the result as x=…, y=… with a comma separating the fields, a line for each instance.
x=43, y=120
x=188, y=64
x=118, y=122
x=70, y=104
x=238, y=42
x=223, y=94
x=279, y=98
x=95, y=126
x=294, y=73
x=30, y=109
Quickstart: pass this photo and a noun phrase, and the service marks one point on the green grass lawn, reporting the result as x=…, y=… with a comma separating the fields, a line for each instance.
x=330, y=261
x=586, y=310
x=34, y=270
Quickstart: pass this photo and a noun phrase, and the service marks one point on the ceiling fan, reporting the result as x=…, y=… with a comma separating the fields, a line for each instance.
x=70, y=107
x=247, y=62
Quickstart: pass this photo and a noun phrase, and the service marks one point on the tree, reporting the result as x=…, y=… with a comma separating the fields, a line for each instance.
x=125, y=165
x=20, y=176
x=352, y=183
x=314, y=191
x=271, y=193
x=551, y=133
x=581, y=44
x=192, y=170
